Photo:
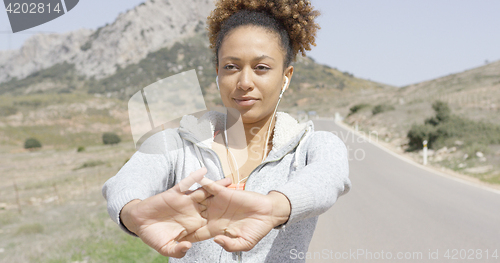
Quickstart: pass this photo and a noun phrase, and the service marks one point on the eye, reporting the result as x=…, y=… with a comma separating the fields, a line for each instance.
x=229, y=67
x=261, y=67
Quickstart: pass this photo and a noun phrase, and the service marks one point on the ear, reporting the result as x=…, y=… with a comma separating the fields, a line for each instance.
x=288, y=74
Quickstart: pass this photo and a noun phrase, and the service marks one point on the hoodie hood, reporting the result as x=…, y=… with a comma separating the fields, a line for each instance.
x=201, y=130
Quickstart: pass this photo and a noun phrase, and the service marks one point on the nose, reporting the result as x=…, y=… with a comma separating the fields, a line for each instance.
x=245, y=81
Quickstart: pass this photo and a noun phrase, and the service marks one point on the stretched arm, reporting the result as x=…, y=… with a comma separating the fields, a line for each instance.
x=164, y=219
x=315, y=187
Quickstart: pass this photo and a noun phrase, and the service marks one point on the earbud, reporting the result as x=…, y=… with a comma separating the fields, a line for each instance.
x=217, y=81
x=284, y=87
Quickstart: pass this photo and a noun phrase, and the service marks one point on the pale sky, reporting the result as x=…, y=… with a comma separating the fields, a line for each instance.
x=390, y=41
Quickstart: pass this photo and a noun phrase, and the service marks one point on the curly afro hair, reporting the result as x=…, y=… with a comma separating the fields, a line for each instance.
x=292, y=20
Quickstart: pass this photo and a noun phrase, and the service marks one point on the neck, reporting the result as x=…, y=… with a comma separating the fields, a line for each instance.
x=258, y=134
x=251, y=136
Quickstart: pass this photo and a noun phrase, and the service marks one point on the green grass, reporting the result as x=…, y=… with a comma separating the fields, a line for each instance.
x=7, y=217
x=120, y=249
x=29, y=229
x=50, y=135
x=105, y=243
x=88, y=164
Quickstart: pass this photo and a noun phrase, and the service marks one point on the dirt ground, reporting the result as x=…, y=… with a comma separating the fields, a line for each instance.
x=52, y=209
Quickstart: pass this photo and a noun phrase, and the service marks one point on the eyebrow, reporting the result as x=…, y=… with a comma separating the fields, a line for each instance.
x=256, y=58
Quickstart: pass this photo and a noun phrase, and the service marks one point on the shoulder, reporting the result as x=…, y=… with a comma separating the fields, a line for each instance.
x=164, y=141
x=325, y=141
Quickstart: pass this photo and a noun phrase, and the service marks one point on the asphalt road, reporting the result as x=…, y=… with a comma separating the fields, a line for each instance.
x=400, y=211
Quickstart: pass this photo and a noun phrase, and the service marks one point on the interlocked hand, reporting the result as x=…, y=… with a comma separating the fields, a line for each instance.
x=237, y=219
x=161, y=221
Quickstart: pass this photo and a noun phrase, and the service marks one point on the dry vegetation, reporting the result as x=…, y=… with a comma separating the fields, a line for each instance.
x=57, y=213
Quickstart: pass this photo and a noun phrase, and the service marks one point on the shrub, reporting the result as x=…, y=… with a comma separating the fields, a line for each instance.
x=92, y=163
x=7, y=110
x=80, y=149
x=444, y=128
x=110, y=138
x=442, y=110
x=358, y=107
x=32, y=143
x=382, y=108
x=418, y=133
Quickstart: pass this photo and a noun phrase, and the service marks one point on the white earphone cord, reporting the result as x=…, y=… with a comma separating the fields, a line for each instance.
x=267, y=136
x=272, y=118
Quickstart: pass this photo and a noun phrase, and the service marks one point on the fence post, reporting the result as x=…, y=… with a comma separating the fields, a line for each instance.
x=425, y=152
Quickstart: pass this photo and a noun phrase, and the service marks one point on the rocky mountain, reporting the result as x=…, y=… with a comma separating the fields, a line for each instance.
x=153, y=25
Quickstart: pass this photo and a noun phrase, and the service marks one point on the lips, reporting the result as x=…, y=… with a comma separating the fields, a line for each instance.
x=245, y=101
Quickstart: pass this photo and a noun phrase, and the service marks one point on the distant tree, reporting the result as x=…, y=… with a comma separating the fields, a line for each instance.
x=382, y=108
x=110, y=138
x=358, y=107
x=32, y=143
x=418, y=134
x=442, y=110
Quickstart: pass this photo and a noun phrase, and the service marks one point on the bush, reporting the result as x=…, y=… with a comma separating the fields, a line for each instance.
x=7, y=110
x=382, y=108
x=418, y=133
x=358, y=107
x=442, y=110
x=110, y=138
x=88, y=164
x=80, y=149
x=32, y=143
x=444, y=128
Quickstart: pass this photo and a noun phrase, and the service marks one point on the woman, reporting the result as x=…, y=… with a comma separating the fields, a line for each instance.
x=289, y=172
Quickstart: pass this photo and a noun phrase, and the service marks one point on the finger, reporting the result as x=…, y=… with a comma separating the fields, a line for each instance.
x=201, y=194
x=176, y=250
x=225, y=182
x=199, y=235
x=200, y=208
x=233, y=244
x=194, y=177
x=212, y=187
x=204, y=214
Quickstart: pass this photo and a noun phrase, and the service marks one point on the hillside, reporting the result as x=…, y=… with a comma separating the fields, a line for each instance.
x=472, y=145
x=69, y=88
x=99, y=53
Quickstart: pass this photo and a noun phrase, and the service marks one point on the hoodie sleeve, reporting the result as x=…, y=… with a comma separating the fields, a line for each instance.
x=148, y=172
x=315, y=187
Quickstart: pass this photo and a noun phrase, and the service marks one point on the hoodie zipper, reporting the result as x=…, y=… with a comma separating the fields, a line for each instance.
x=211, y=151
x=256, y=168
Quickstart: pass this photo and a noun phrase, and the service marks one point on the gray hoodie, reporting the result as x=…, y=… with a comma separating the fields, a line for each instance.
x=309, y=167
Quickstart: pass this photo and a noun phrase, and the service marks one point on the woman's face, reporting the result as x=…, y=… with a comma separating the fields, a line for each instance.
x=251, y=73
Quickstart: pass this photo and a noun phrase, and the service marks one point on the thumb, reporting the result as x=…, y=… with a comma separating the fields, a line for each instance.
x=233, y=244
x=212, y=187
x=194, y=177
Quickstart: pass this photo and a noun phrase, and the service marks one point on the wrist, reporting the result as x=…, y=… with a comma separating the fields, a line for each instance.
x=126, y=216
x=281, y=208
